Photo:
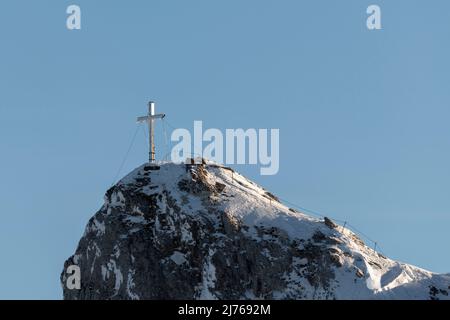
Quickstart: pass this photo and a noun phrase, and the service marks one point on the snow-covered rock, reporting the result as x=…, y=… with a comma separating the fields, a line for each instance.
x=173, y=231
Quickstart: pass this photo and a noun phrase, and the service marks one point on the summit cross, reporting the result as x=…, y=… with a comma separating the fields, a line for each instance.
x=150, y=119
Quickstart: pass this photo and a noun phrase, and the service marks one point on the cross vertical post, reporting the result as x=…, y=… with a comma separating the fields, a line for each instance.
x=150, y=119
x=151, y=131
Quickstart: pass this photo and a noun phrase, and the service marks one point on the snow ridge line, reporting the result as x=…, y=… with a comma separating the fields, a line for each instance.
x=309, y=211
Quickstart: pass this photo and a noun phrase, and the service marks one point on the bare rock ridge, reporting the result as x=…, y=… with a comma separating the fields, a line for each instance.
x=172, y=231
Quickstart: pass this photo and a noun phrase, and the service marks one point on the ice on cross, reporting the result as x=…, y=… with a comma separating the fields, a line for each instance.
x=150, y=119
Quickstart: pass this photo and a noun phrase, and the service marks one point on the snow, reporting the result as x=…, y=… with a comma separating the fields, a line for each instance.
x=249, y=295
x=135, y=219
x=97, y=252
x=178, y=258
x=208, y=279
x=105, y=273
x=373, y=281
x=186, y=235
x=157, y=224
x=131, y=285
x=96, y=226
x=134, y=230
x=254, y=209
x=76, y=258
x=303, y=261
x=117, y=199
x=100, y=226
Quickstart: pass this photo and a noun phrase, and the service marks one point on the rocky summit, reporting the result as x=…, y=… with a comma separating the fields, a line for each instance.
x=203, y=231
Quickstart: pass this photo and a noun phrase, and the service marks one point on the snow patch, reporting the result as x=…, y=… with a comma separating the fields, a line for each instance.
x=131, y=285
x=135, y=219
x=178, y=258
x=209, y=279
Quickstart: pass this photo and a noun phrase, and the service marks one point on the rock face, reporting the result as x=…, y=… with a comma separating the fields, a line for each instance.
x=205, y=232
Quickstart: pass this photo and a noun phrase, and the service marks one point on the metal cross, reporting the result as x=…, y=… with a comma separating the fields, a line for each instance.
x=150, y=119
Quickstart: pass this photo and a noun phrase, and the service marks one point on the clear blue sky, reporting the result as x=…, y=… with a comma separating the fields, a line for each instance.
x=363, y=115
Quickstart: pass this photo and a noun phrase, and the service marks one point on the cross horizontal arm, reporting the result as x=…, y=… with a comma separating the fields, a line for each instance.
x=142, y=119
x=146, y=118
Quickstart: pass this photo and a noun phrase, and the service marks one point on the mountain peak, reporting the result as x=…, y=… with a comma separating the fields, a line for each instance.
x=203, y=231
